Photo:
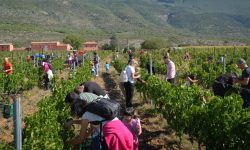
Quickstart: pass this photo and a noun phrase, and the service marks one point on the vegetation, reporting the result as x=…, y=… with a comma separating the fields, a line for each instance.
x=113, y=42
x=155, y=44
x=74, y=40
x=212, y=121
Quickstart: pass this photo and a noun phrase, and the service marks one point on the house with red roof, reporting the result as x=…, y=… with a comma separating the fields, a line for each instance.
x=50, y=46
x=90, y=46
x=6, y=47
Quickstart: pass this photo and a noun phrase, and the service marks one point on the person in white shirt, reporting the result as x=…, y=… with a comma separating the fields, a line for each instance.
x=170, y=76
x=129, y=86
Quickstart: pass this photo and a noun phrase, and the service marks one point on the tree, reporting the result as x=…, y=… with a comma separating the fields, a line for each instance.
x=106, y=46
x=74, y=40
x=113, y=42
x=155, y=44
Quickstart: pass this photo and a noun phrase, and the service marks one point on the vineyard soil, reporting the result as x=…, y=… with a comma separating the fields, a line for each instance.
x=29, y=100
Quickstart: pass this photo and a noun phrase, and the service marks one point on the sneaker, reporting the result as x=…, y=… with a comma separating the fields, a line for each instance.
x=96, y=75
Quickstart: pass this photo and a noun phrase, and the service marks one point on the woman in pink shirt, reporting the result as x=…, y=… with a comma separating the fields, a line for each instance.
x=116, y=135
x=134, y=125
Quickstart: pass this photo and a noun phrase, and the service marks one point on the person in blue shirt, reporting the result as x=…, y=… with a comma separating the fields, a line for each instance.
x=106, y=67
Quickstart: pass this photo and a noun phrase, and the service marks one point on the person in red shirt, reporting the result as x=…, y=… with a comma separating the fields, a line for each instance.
x=7, y=66
x=142, y=52
x=28, y=58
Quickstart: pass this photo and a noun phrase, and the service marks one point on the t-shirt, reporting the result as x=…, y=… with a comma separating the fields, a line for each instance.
x=118, y=136
x=46, y=67
x=171, y=70
x=134, y=126
x=91, y=117
x=28, y=59
x=130, y=56
x=246, y=74
x=107, y=66
x=50, y=74
x=129, y=71
x=7, y=66
x=94, y=88
x=89, y=97
x=96, y=59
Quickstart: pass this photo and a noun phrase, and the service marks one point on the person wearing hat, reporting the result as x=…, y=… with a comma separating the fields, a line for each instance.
x=244, y=81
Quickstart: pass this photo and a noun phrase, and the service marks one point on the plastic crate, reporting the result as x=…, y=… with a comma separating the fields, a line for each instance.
x=7, y=111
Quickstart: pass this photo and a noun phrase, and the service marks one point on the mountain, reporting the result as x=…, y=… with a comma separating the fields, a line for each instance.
x=22, y=21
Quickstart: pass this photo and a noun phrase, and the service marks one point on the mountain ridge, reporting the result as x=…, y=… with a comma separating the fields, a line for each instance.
x=26, y=20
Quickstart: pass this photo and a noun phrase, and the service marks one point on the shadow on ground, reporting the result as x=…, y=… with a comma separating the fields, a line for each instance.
x=112, y=88
x=152, y=136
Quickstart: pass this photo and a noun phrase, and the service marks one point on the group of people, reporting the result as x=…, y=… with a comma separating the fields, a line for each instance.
x=72, y=59
x=7, y=65
x=98, y=117
x=222, y=84
x=95, y=64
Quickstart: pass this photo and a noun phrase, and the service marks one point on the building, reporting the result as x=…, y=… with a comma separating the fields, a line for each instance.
x=6, y=47
x=50, y=46
x=90, y=46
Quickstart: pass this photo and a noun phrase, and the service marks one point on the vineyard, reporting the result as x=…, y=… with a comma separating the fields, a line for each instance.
x=213, y=122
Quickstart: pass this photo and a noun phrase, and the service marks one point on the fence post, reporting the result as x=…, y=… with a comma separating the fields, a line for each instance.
x=214, y=54
x=74, y=66
x=234, y=51
x=150, y=64
x=37, y=62
x=224, y=64
x=151, y=72
x=17, y=119
x=82, y=59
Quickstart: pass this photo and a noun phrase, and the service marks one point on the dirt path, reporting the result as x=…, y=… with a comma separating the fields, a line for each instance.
x=108, y=81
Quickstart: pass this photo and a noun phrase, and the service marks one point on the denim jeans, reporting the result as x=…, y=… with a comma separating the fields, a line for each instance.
x=96, y=68
x=96, y=142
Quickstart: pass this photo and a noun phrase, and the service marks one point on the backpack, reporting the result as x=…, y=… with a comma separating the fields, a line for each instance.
x=104, y=107
x=222, y=84
x=124, y=76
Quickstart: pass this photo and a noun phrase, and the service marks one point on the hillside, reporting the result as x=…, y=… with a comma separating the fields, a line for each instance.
x=24, y=20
